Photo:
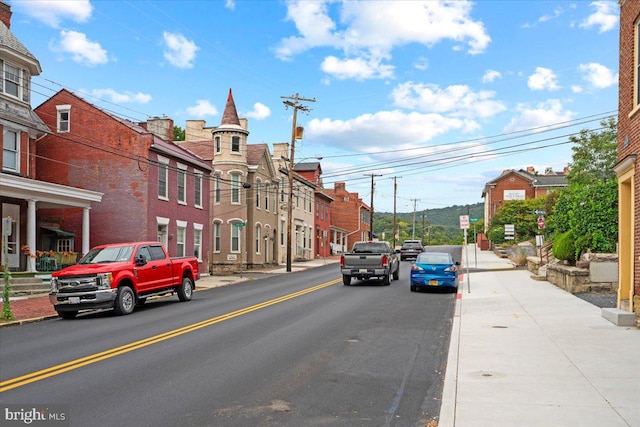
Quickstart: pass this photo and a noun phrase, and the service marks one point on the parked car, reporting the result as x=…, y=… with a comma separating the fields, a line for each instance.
x=121, y=275
x=368, y=260
x=434, y=270
x=410, y=249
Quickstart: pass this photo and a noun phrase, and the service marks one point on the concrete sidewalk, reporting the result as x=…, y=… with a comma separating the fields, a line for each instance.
x=526, y=353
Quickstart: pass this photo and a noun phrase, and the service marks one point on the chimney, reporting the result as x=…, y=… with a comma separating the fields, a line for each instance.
x=565, y=171
x=531, y=169
x=162, y=127
x=339, y=186
x=548, y=171
x=5, y=14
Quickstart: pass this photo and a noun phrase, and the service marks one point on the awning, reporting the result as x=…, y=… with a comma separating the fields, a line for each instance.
x=58, y=232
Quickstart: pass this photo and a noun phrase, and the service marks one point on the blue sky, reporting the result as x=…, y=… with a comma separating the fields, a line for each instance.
x=441, y=96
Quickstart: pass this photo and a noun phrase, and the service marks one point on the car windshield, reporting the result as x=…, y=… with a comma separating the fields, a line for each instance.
x=108, y=254
x=432, y=258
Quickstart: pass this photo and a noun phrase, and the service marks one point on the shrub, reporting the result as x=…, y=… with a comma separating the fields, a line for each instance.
x=564, y=248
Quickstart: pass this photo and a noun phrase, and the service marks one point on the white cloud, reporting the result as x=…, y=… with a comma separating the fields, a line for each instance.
x=121, y=98
x=546, y=113
x=357, y=68
x=52, y=12
x=605, y=17
x=381, y=130
x=456, y=100
x=82, y=50
x=368, y=31
x=491, y=75
x=577, y=89
x=202, y=108
x=421, y=63
x=230, y=4
x=260, y=111
x=598, y=75
x=543, y=78
x=180, y=52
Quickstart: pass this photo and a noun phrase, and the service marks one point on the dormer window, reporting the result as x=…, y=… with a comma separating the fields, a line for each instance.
x=64, y=117
x=15, y=81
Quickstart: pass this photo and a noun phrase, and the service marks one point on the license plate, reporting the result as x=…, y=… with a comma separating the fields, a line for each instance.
x=74, y=300
x=433, y=283
x=363, y=270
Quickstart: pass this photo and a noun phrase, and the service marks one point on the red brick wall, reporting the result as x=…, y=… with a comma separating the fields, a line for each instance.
x=102, y=154
x=511, y=181
x=346, y=213
x=629, y=127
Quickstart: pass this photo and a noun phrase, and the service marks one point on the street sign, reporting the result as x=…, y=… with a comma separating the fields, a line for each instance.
x=464, y=221
x=540, y=222
x=539, y=212
x=509, y=231
x=239, y=224
x=474, y=219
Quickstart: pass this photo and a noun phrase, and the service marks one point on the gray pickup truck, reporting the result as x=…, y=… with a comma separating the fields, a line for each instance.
x=368, y=260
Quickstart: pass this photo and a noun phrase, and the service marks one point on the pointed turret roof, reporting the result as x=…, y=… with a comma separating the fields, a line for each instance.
x=230, y=115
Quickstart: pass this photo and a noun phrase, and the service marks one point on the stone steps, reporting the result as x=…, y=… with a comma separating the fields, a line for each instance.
x=23, y=286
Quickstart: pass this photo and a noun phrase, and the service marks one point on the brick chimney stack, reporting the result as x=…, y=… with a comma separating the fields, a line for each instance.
x=5, y=14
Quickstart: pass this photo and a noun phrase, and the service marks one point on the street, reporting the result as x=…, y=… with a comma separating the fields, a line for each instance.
x=292, y=349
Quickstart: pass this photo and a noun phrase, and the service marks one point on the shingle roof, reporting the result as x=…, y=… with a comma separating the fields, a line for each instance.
x=10, y=41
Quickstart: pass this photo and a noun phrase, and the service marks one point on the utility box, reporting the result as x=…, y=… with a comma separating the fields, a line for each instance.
x=483, y=243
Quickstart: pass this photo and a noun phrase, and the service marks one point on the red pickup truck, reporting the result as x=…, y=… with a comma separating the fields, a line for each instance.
x=119, y=276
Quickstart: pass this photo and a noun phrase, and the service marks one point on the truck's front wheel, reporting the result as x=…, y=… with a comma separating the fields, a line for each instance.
x=125, y=302
x=68, y=314
x=185, y=292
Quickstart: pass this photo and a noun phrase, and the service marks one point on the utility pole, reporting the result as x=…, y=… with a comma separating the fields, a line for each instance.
x=395, y=191
x=293, y=102
x=371, y=218
x=413, y=232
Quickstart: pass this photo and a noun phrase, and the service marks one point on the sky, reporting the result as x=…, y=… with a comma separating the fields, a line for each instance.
x=429, y=100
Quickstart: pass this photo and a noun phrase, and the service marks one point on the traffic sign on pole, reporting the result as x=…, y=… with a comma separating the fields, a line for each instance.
x=541, y=222
x=464, y=222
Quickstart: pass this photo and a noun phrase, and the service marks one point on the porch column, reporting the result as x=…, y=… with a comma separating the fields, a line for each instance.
x=31, y=233
x=85, y=230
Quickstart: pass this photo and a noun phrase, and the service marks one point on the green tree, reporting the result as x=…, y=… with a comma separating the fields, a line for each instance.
x=520, y=213
x=178, y=133
x=594, y=154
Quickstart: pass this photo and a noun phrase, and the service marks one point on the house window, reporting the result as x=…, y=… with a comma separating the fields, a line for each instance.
x=216, y=186
x=235, y=144
x=182, y=184
x=163, y=178
x=197, y=241
x=64, y=115
x=11, y=150
x=197, y=193
x=11, y=80
x=180, y=238
x=64, y=245
x=216, y=236
x=218, y=147
x=235, y=188
x=266, y=196
x=282, y=227
x=235, y=238
x=636, y=49
x=258, y=193
x=258, y=234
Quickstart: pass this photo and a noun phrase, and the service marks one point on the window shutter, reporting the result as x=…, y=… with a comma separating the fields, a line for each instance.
x=26, y=85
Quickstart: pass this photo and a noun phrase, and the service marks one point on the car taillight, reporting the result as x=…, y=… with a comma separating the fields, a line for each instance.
x=342, y=261
x=385, y=260
x=417, y=268
x=451, y=269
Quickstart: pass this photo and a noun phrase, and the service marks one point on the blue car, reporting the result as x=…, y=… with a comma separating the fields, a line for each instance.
x=434, y=270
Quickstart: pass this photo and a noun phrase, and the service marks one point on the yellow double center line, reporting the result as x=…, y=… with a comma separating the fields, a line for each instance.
x=107, y=354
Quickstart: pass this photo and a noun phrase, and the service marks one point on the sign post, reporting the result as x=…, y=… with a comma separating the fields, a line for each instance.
x=475, y=243
x=464, y=224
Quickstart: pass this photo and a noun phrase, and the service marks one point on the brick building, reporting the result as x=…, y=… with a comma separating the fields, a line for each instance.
x=312, y=172
x=153, y=189
x=627, y=168
x=22, y=191
x=519, y=185
x=350, y=218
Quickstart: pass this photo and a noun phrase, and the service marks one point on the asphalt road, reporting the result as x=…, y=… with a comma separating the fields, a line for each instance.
x=287, y=350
